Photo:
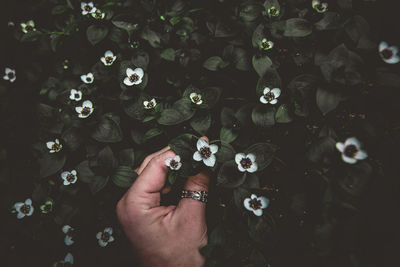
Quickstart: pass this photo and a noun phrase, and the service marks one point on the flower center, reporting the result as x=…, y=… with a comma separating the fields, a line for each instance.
x=88, y=8
x=99, y=15
x=266, y=45
x=350, y=151
x=255, y=204
x=56, y=147
x=70, y=178
x=10, y=75
x=85, y=111
x=88, y=79
x=174, y=164
x=320, y=7
x=47, y=208
x=387, y=53
x=76, y=95
x=205, y=152
x=196, y=99
x=25, y=209
x=236, y=124
x=273, y=11
x=150, y=105
x=269, y=96
x=29, y=28
x=105, y=236
x=109, y=59
x=246, y=163
x=134, y=78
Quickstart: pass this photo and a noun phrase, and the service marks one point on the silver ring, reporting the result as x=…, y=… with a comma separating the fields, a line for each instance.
x=201, y=196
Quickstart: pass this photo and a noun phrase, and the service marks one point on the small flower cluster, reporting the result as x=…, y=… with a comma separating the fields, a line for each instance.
x=10, y=75
x=319, y=7
x=266, y=44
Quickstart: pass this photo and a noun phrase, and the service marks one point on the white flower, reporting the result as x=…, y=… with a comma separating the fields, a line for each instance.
x=69, y=177
x=75, y=95
x=266, y=45
x=28, y=26
x=85, y=110
x=351, y=151
x=87, y=78
x=319, y=7
x=389, y=54
x=270, y=96
x=55, y=146
x=68, y=259
x=99, y=14
x=256, y=204
x=196, y=98
x=10, y=75
x=88, y=8
x=174, y=163
x=24, y=209
x=246, y=162
x=68, y=231
x=205, y=152
x=133, y=77
x=105, y=237
x=150, y=104
x=108, y=58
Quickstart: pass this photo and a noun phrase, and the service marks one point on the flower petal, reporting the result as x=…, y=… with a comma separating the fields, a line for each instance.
x=102, y=243
x=66, y=182
x=50, y=144
x=239, y=157
x=108, y=53
x=178, y=166
x=8, y=70
x=66, y=228
x=276, y=92
x=266, y=90
x=361, y=154
x=87, y=103
x=258, y=212
x=340, y=146
x=253, y=196
x=18, y=205
x=264, y=202
x=69, y=258
x=83, y=4
x=68, y=240
x=30, y=211
x=214, y=149
x=64, y=175
x=210, y=162
x=78, y=109
x=253, y=167
x=28, y=201
x=103, y=60
x=393, y=60
x=111, y=239
x=201, y=143
x=98, y=235
x=168, y=162
x=129, y=72
x=273, y=102
x=383, y=46
x=83, y=78
x=246, y=204
x=352, y=141
x=252, y=157
x=139, y=72
x=197, y=156
x=5, y=77
x=192, y=95
x=348, y=160
x=20, y=215
x=263, y=99
x=108, y=230
x=199, y=102
x=240, y=168
x=177, y=158
x=128, y=82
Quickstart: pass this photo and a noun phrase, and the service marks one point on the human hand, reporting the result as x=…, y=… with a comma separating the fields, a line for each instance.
x=160, y=235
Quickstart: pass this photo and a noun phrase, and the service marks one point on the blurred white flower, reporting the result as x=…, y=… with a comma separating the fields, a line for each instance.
x=389, y=54
x=85, y=110
x=88, y=8
x=134, y=77
x=68, y=231
x=256, y=204
x=273, y=11
x=351, y=151
x=205, y=152
x=10, y=75
x=246, y=162
x=196, y=98
x=270, y=96
x=174, y=163
x=24, y=208
x=75, y=95
x=87, y=78
x=319, y=7
x=55, y=146
x=69, y=177
x=98, y=14
x=108, y=58
x=266, y=45
x=105, y=237
x=150, y=104
x=28, y=26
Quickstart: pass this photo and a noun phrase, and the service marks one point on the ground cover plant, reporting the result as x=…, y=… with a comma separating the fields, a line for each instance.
x=297, y=98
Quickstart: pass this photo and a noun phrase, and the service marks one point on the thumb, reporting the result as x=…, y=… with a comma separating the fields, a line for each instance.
x=193, y=208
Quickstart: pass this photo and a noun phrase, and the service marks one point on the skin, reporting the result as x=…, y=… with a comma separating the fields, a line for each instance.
x=163, y=235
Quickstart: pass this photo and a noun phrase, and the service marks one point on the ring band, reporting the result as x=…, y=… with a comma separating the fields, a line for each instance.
x=201, y=196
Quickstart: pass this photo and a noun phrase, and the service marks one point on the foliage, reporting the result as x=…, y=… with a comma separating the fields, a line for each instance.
x=333, y=86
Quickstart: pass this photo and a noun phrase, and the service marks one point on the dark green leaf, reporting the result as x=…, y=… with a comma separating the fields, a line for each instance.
x=51, y=163
x=124, y=176
x=263, y=115
x=227, y=135
x=201, y=123
x=97, y=183
x=320, y=149
x=261, y=64
x=229, y=175
x=107, y=130
x=72, y=138
x=327, y=100
x=168, y=54
x=225, y=153
x=126, y=157
x=181, y=111
x=282, y=114
x=264, y=153
x=96, y=33
x=297, y=27
x=215, y=63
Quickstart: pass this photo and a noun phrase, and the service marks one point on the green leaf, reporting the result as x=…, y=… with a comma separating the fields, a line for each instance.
x=297, y=27
x=122, y=21
x=261, y=64
x=263, y=115
x=320, y=149
x=106, y=160
x=72, y=138
x=261, y=228
x=239, y=195
x=152, y=133
x=282, y=114
x=141, y=60
x=126, y=157
x=327, y=100
x=124, y=176
x=30, y=36
x=229, y=176
x=59, y=9
x=331, y=20
x=225, y=153
x=270, y=79
x=201, y=123
x=51, y=163
x=210, y=96
x=250, y=11
x=84, y=172
x=97, y=183
x=168, y=54
x=107, y=130
x=184, y=146
x=151, y=36
x=96, y=33
x=181, y=111
x=264, y=153
x=215, y=63
x=258, y=35
x=241, y=59
x=227, y=135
